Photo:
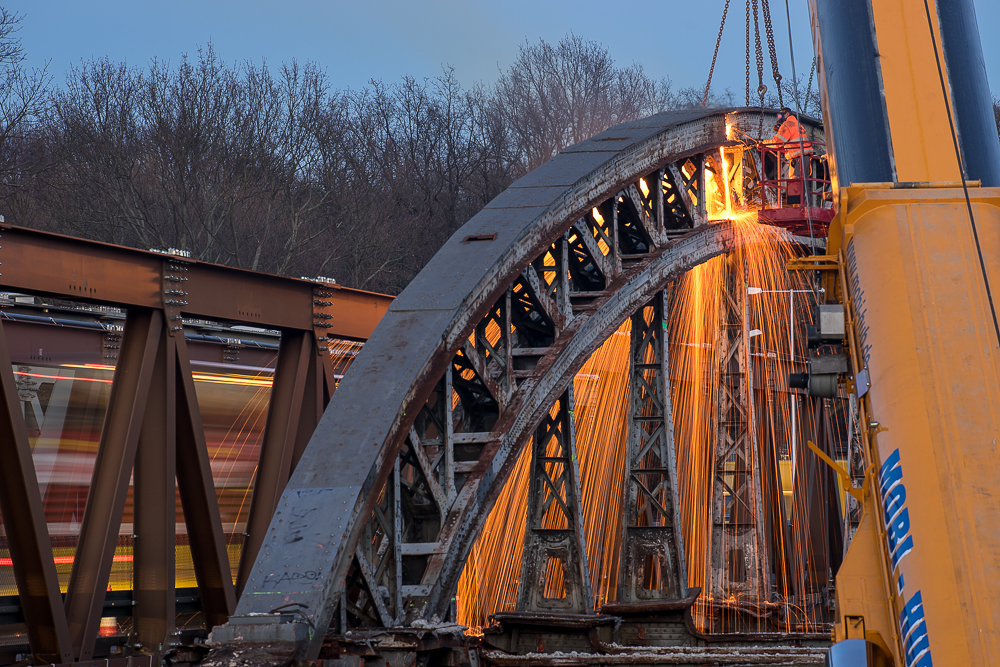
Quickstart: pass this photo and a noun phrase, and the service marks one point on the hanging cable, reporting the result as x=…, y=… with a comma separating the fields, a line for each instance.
x=809, y=87
x=802, y=156
x=791, y=52
x=748, y=52
x=961, y=171
x=761, y=88
x=718, y=41
x=765, y=7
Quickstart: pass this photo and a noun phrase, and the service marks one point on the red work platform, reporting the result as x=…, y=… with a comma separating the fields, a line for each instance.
x=796, y=219
x=810, y=184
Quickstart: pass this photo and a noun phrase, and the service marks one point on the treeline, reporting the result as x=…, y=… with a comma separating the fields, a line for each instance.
x=279, y=170
x=276, y=170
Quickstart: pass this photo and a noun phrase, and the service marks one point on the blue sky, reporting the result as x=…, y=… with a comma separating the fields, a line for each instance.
x=358, y=41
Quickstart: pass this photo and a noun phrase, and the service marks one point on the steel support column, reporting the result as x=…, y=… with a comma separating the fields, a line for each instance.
x=199, y=502
x=313, y=403
x=284, y=413
x=109, y=486
x=27, y=533
x=155, y=506
x=554, y=571
x=738, y=554
x=652, y=563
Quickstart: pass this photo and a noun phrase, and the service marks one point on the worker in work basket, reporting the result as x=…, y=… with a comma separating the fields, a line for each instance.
x=798, y=152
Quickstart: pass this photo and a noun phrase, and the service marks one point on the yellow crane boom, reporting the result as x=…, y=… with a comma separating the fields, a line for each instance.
x=916, y=165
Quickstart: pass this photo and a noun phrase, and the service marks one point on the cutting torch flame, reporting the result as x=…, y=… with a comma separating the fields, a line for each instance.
x=725, y=180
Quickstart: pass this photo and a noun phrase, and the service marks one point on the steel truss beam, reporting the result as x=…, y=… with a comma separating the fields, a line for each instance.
x=41, y=263
x=653, y=565
x=153, y=429
x=468, y=362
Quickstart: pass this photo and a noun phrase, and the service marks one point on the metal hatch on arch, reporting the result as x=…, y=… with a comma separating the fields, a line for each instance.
x=475, y=359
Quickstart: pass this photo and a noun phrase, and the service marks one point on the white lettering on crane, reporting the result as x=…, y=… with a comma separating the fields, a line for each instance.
x=912, y=628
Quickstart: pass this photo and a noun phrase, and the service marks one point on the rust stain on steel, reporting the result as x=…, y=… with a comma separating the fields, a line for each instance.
x=651, y=606
x=585, y=334
x=56, y=265
x=411, y=347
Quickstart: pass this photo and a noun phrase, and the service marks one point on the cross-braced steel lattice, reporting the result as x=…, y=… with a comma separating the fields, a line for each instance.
x=738, y=553
x=652, y=563
x=480, y=347
x=554, y=571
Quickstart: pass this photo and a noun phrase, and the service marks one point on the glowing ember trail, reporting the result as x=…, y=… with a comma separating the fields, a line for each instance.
x=754, y=284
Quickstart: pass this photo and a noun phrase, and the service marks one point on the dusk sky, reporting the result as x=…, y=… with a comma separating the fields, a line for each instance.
x=358, y=41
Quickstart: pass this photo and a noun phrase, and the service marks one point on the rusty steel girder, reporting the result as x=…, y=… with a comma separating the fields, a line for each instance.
x=43, y=263
x=153, y=429
x=378, y=518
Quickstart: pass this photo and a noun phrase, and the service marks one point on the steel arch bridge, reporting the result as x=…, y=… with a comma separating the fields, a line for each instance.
x=475, y=359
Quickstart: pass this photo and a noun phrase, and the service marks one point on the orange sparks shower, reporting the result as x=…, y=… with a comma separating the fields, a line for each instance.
x=769, y=301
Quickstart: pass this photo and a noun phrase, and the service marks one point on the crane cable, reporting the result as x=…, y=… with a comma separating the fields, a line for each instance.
x=802, y=157
x=961, y=170
x=809, y=87
x=718, y=41
x=765, y=7
x=761, y=88
x=748, y=53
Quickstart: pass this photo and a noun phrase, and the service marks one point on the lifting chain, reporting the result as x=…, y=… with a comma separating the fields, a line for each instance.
x=718, y=40
x=761, y=88
x=748, y=52
x=766, y=8
x=812, y=70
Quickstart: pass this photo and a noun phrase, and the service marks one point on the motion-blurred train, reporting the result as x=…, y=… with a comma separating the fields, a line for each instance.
x=64, y=357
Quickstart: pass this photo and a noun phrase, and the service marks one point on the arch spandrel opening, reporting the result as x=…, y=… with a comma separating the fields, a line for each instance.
x=753, y=459
x=458, y=415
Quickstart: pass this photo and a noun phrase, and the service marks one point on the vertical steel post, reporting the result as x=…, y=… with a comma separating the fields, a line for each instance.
x=702, y=188
x=312, y=400
x=396, y=587
x=295, y=357
x=735, y=557
x=652, y=564
x=448, y=437
x=155, y=507
x=555, y=549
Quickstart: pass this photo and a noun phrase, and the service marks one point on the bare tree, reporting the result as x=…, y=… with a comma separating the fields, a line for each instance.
x=23, y=93
x=555, y=96
x=219, y=160
x=273, y=170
